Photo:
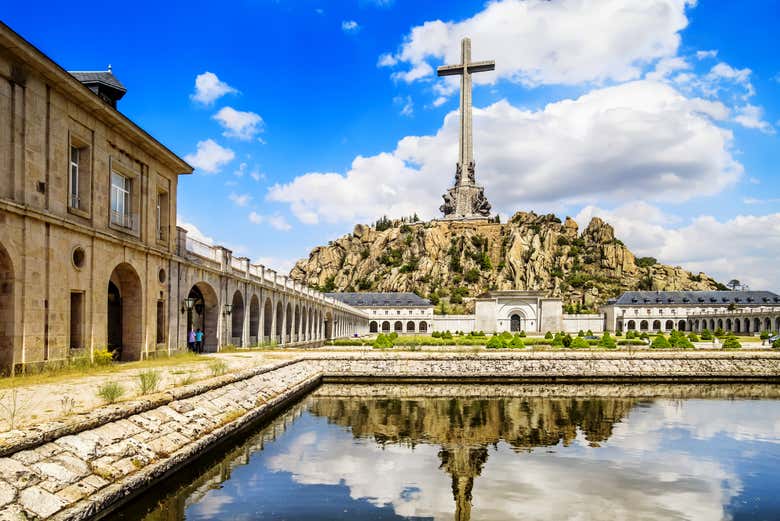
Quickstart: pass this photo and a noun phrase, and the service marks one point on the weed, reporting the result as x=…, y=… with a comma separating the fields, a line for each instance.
x=110, y=392
x=218, y=367
x=67, y=404
x=148, y=381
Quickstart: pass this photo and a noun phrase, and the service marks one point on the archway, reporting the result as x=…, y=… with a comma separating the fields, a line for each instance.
x=6, y=313
x=669, y=325
x=237, y=319
x=720, y=323
x=737, y=325
x=254, y=320
x=268, y=319
x=516, y=322
x=712, y=324
x=398, y=327
x=767, y=324
x=656, y=325
x=328, y=326
x=777, y=324
x=304, y=336
x=204, y=314
x=410, y=327
x=297, y=323
x=423, y=327
x=312, y=325
x=756, y=325
x=631, y=325
x=385, y=326
x=681, y=325
x=728, y=324
x=643, y=325
x=746, y=325
x=373, y=327
x=279, y=322
x=124, y=313
x=288, y=319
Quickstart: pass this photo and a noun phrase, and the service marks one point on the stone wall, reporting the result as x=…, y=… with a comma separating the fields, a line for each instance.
x=96, y=461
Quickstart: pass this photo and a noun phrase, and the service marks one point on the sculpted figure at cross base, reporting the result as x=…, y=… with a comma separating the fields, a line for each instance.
x=466, y=199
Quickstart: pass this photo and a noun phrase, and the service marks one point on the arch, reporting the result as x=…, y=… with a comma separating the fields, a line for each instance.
x=746, y=325
x=268, y=319
x=767, y=324
x=288, y=323
x=254, y=320
x=516, y=322
x=720, y=323
x=373, y=327
x=410, y=327
x=756, y=325
x=777, y=324
x=728, y=324
x=7, y=323
x=712, y=324
x=737, y=325
x=303, y=324
x=312, y=329
x=124, y=312
x=681, y=325
x=656, y=325
x=385, y=326
x=669, y=325
x=423, y=327
x=643, y=325
x=297, y=322
x=328, y=326
x=237, y=319
x=204, y=314
x=631, y=325
x=398, y=327
x=279, y=322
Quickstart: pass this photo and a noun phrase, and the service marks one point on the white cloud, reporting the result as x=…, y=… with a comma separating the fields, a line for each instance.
x=745, y=247
x=238, y=124
x=210, y=157
x=640, y=139
x=666, y=66
x=350, y=26
x=386, y=60
x=438, y=102
x=754, y=200
x=193, y=231
x=209, y=88
x=407, y=105
x=276, y=221
x=751, y=116
x=703, y=55
x=240, y=199
x=564, y=42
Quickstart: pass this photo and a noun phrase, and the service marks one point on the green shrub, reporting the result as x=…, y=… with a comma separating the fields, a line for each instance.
x=581, y=333
x=776, y=343
x=383, y=342
x=618, y=333
x=522, y=334
x=580, y=343
x=719, y=332
x=110, y=392
x=630, y=334
x=693, y=337
x=148, y=381
x=589, y=333
x=678, y=340
x=764, y=335
x=517, y=342
x=447, y=335
x=607, y=341
x=102, y=357
x=394, y=335
x=706, y=334
x=644, y=336
x=660, y=342
x=731, y=343
x=436, y=334
x=548, y=336
x=566, y=339
x=557, y=341
x=496, y=342
x=471, y=276
x=506, y=335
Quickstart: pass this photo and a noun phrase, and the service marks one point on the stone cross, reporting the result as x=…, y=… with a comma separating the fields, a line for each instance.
x=465, y=69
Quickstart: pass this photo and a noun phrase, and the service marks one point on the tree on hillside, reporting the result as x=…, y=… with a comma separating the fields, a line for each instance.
x=734, y=284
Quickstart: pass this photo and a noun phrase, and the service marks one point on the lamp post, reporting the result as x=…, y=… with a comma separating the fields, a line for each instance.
x=187, y=305
x=227, y=309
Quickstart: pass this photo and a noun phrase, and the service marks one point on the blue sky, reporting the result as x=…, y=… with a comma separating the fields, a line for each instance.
x=659, y=115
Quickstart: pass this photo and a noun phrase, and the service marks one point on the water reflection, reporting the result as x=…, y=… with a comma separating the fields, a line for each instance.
x=487, y=452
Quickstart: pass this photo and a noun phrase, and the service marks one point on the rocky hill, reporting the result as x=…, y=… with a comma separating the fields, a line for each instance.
x=456, y=260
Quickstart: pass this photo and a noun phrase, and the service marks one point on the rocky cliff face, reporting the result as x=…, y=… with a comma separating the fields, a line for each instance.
x=458, y=260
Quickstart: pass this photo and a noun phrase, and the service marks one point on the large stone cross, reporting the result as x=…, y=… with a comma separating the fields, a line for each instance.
x=465, y=69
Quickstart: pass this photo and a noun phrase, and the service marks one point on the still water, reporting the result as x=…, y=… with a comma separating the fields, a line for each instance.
x=488, y=452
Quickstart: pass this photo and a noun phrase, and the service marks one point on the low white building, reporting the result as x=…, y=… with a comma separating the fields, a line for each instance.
x=402, y=313
x=687, y=310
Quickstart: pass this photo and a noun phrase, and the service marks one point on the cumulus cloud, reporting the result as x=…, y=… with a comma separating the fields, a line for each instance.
x=276, y=221
x=641, y=138
x=350, y=26
x=745, y=247
x=209, y=88
x=751, y=116
x=406, y=103
x=564, y=42
x=210, y=157
x=193, y=231
x=703, y=55
x=240, y=199
x=238, y=124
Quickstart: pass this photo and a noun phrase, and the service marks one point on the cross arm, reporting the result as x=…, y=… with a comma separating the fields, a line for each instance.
x=449, y=70
x=481, y=66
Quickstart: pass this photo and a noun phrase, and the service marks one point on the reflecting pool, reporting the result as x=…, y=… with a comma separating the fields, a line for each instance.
x=486, y=452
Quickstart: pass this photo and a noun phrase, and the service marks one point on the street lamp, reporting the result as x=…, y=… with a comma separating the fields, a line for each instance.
x=187, y=304
x=227, y=309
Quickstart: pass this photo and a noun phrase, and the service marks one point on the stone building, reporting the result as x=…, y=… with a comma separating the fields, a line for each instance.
x=745, y=312
x=90, y=255
x=391, y=312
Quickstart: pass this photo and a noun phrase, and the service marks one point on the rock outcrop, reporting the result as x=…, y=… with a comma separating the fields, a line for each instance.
x=467, y=258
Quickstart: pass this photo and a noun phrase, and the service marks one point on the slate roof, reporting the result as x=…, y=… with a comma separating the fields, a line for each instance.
x=389, y=299
x=105, y=77
x=742, y=298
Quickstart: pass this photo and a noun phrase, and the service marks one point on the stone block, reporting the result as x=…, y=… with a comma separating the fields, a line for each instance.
x=16, y=473
x=39, y=502
x=83, y=445
x=7, y=493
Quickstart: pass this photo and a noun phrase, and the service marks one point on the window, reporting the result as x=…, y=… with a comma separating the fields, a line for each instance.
x=162, y=216
x=76, y=320
x=74, y=177
x=160, y=321
x=120, y=201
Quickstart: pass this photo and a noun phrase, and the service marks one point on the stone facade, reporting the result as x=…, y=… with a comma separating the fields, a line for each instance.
x=90, y=255
x=529, y=311
x=402, y=313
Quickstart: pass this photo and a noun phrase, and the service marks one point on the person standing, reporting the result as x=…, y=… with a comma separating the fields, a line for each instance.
x=199, y=340
x=191, y=339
